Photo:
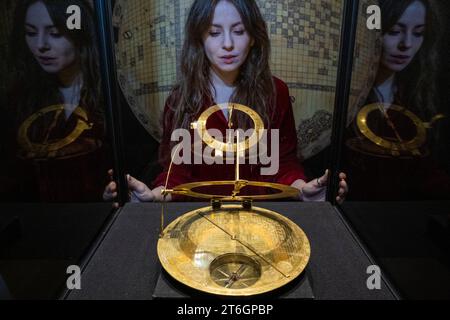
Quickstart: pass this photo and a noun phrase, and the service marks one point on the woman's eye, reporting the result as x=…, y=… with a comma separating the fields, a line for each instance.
x=239, y=32
x=54, y=33
x=214, y=33
x=419, y=33
x=393, y=33
x=30, y=33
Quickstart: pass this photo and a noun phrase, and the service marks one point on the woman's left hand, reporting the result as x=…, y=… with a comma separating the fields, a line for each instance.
x=316, y=189
x=343, y=188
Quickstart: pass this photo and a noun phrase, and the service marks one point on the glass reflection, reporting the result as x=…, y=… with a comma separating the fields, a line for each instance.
x=391, y=141
x=56, y=149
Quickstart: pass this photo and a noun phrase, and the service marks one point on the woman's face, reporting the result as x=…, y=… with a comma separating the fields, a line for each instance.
x=54, y=52
x=404, y=40
x=227, y=42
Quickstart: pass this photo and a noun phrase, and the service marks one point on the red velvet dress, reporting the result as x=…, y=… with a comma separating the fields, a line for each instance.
x=289, y=171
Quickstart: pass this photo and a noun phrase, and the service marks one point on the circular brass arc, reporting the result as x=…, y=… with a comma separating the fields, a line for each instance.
x=258, y=127
x=411, y=146
x=193, y=243
x=187, y=190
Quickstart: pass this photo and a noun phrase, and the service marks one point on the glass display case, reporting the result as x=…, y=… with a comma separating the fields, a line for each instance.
x=56, y=149
x=396, y=152
x=92, y=183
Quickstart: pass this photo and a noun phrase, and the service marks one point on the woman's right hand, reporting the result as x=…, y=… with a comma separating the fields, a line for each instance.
x=139, y=192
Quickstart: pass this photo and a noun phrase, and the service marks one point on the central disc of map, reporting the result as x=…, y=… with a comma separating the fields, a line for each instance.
x=232, y=251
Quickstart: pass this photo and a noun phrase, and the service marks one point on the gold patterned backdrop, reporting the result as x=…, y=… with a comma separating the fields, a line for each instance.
x=305, y=37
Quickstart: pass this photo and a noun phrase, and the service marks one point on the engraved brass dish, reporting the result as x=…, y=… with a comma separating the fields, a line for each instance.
x=233, y=250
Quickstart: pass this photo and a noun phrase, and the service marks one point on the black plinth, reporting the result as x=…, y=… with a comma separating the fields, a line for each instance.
x=169, y=288
x=439, y=231
x=125, y=265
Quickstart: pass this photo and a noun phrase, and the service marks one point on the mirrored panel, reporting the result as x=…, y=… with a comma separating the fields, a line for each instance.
x=55, y=146
x=396, y=151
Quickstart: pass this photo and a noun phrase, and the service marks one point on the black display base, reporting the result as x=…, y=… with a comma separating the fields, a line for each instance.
x=169, y=288
x=10, y=232
x=439, y=230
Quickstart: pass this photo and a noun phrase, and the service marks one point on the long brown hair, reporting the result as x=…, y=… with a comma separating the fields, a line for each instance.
x=417, y=83
x=254, y=85
x=38, y=88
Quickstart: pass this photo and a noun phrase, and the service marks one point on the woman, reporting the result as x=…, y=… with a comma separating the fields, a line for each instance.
x=407, y=78
x=55, y=104
x=225, y=58
x=408, y=63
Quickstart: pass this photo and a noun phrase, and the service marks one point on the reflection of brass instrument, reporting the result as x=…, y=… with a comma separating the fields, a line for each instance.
x=233, y=248
x=397, y=146
x=48, y=148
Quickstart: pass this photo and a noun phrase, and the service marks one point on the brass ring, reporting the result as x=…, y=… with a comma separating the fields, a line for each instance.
x=38, y=150
x=411, y=145
x=200, y=126
x=187, y=190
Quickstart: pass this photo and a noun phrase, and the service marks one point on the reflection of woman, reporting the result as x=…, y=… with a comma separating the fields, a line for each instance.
x=407, y=71
x=226, y=58
x=55, y=103
x=406, y=78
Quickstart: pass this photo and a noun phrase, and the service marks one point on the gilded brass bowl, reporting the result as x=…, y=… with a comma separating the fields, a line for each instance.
x=232, y=251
